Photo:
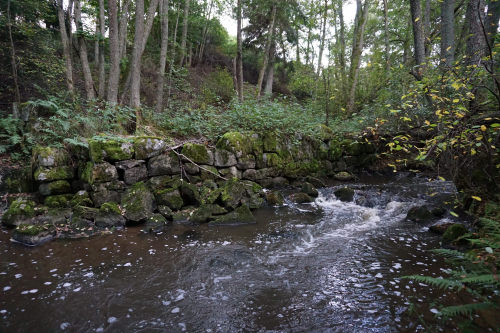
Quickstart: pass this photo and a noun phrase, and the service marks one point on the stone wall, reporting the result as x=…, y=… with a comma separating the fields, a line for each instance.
x=147, y=180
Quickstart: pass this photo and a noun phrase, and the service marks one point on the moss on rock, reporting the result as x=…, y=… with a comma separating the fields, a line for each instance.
x=99, y=173
x=453, y=232
x=345, y=194
x=300, y=198
x=19, y=211
x=44, y=174
x=58, y=201
x=50, y=157
x=170, y=197
x=55, y=187
x=275, y=198
x=138, y=203
x=198, y=153
x=241, y=215
x=110, y=149
x=81, y=198
x=149, y=146
x=236, y=142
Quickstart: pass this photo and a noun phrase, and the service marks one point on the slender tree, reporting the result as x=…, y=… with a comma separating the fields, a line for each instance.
x=239, y=53
x=184, y=33
x=102, y=31
x=66, y=47
x=13, y=61
x=266, y=50
x=323, y=35
x=418, y=38
x=114, y=52
x=447, y=32
x=164, y=5
x=82, y=47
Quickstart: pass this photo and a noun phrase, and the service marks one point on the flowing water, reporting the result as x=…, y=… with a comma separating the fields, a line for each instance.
x=321, y=267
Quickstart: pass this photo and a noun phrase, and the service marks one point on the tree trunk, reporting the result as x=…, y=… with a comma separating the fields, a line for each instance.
x=491, y=22
x=184, y=32
x=205, y=33
x=268, y=90
x=96, y=42
x=164, y=5
x=427, y=28
x=476, y=43
x=70, y=19
x=447, y=32
x=87, y=73
x=386, y=38
x=66, y=49
x=308, y=47
x=174, y=45
x=266, y=51
x=323, y=34
x=102, y=71
x=239, y=54
x=122, y=30
x=13, y=61
x=356, y=56
x=114, y=52
x=343, y=73
x=418, y=38
x=135, y=65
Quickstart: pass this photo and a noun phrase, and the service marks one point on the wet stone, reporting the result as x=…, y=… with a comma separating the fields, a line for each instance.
x=134, y=175
x=345, y=194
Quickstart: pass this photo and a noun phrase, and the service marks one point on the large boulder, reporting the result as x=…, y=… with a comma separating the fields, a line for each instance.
x=300, y=198
x=198, y=153
x=110, y=149
x=345, y=194
x=241, y=215
x=133, y=171
x=110, y=216
x=235, y=192
x=107, y=192
x=155, y=224
x=190, y=193
x=50, y=157
x=164, y=164
x=45, y=174
x=146, y=146
x=138, y=203
x=275, y=198
x=206, y=212
x=453, y=232
x=224, y=158
x=58, y=201
x=237, y=143
x=32, y=235
x=170, y=197
x=246, y=162
x=309, y=189
x=20, y=211
x=419, y=214
x=99, y=173
x=343, y=176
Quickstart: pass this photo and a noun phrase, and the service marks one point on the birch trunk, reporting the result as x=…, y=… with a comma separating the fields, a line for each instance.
x=164, y=5
x=184, y=32
x=323, y=35
x=114, y=52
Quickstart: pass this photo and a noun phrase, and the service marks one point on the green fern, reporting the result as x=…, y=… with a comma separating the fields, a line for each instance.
x=464, y=309
x=440, y=283
x=481, y=279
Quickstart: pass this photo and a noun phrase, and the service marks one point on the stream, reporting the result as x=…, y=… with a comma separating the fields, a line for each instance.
x=329, y=266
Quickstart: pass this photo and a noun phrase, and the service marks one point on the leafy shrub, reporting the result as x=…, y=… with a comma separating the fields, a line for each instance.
x=218, y=87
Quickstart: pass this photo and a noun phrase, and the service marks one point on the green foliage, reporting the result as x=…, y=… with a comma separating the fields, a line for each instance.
x=218, y=87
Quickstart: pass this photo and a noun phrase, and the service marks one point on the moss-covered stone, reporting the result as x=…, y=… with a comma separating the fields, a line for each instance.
x=19, y=212
x=204, y=213
x=325, y=132
x=453, y=232
x=190, y=193
x=138, y=203
x=33, y=235
x=334, y=150
x=110, y=149
x=149, y=146
x=156, y=223
x=343, y=176
x=246, y=162
x=224, y=158
x=164, y=164
x=236, y=142
x=99, y=173
x=110, y=207
x=43, y=174
x=170, y=197
x=345, y=194
x=419, y=214
x=55, y=187
x=356, y=148
x=81, y=198
x=273, y=160
x=208, y=172
x=275, y=198
x=241, y=215
x=183, y=216
x=301, y=168
x=198, y=153
x=87, y=213
x=109, y=216
x=300, y=198
x=58, y=201
x=270, y=142
x=50, y=157
x=231, y=172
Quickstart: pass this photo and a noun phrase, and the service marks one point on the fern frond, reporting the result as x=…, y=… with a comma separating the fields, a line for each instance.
x=440, y=283
x=482, y=279
x=464, y=310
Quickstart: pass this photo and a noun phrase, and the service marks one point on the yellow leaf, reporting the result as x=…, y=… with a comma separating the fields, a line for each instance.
x=441, y=178
x=418, y=18
x=476, y=198
x=483, y=128
x=456, y=85
x=456, y=100
x=427, y=122
x=448, y=48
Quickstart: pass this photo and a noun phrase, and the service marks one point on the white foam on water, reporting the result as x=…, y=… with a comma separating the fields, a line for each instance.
x=222, y=278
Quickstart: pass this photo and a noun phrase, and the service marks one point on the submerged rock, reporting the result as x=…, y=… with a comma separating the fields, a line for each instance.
x=110, y=216
x=300, y=198
x=419, y=214
x=32, y=235
x=155, y=224
x=205, y=213
x=275, y=198
x=309, y=189
x=241, y=215
x=345, y=194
